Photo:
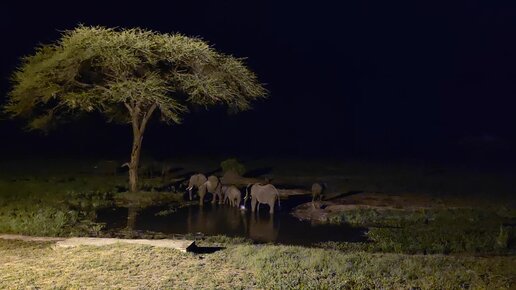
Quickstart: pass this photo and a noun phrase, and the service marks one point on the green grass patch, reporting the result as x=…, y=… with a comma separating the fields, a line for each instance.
x=437, y=231
x=64, y=203
x=283, y=267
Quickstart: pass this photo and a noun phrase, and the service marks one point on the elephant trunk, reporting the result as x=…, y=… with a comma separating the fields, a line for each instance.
x=246, y=197
x=279, y=199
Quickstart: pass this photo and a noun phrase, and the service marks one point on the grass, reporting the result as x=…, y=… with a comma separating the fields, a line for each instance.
x=33, y=265
x=480, y=248
x=60, y=197
x=47, y=220
x=296, y=267
x=52, y=206
x=239, y=266
x=437, y=231
x=64, y=203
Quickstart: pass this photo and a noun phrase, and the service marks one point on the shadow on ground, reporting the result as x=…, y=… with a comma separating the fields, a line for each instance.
x=204, y=250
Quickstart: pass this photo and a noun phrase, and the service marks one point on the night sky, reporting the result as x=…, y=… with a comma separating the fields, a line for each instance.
x=407, y=80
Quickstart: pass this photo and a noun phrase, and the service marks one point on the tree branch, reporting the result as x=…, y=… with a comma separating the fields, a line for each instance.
x=147, y=116
x=129, y=108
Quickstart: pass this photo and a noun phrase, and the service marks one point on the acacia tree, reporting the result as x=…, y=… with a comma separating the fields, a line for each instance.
x=127, y=75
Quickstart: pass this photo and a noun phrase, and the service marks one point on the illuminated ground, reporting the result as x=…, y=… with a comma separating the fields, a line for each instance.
x=38, y=265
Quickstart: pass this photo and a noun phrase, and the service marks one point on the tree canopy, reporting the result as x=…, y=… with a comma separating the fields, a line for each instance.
x=127, y=74
x=116, y=71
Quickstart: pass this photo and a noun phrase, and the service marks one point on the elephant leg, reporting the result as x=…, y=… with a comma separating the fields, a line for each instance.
x=201, y=199
x=253, y=205
x=190, y=194
x=271, y=207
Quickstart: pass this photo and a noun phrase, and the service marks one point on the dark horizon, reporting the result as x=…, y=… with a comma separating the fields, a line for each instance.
x=390, y=80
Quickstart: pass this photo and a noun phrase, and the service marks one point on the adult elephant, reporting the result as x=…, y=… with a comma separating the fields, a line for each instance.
x=262, y=194
x=213, y=186
x=196, y=181
x=318, y=191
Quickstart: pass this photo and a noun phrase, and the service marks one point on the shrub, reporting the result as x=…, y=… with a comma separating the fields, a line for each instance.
x=234, y=165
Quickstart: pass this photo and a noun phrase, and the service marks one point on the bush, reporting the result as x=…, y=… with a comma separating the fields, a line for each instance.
x=232, y=164
x=45, y=220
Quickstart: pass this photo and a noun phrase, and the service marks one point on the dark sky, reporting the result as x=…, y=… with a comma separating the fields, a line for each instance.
x=393, y=79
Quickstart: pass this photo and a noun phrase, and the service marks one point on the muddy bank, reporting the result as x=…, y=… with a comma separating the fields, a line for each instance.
x=323, y=211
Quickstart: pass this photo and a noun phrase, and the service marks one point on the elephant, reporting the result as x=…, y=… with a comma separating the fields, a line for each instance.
x=232, y=194
x=262, y=194
x=318, y=190
x=213, y=186
x=196, y=181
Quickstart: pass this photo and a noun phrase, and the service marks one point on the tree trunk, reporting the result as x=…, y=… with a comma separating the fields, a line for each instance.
x=132, y=214
x=139, y=123
x=135, y=161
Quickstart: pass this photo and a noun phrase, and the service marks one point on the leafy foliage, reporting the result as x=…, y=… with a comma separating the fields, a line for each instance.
x=115, y=70
x=234, y=165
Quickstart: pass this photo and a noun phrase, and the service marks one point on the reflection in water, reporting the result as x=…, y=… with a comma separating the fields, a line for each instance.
x=211, y=220
x=232, y=221
x=262, y=228
x=132, y=213
x=229, y=221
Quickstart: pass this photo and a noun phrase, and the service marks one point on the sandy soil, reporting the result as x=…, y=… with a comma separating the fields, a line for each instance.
x=182, y=245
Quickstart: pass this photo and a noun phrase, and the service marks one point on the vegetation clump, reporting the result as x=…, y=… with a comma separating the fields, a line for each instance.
x=232, y=165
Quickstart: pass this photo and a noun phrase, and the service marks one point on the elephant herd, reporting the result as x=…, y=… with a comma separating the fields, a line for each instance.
x=258, y=193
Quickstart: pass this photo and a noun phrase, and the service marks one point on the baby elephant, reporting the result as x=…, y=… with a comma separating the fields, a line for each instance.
x=232, y=193
x=318, y=190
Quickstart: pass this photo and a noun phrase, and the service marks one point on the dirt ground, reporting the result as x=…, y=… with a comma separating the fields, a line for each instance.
x=321, y=210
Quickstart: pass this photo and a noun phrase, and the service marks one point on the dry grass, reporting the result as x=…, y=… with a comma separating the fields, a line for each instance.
x=39, y=265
